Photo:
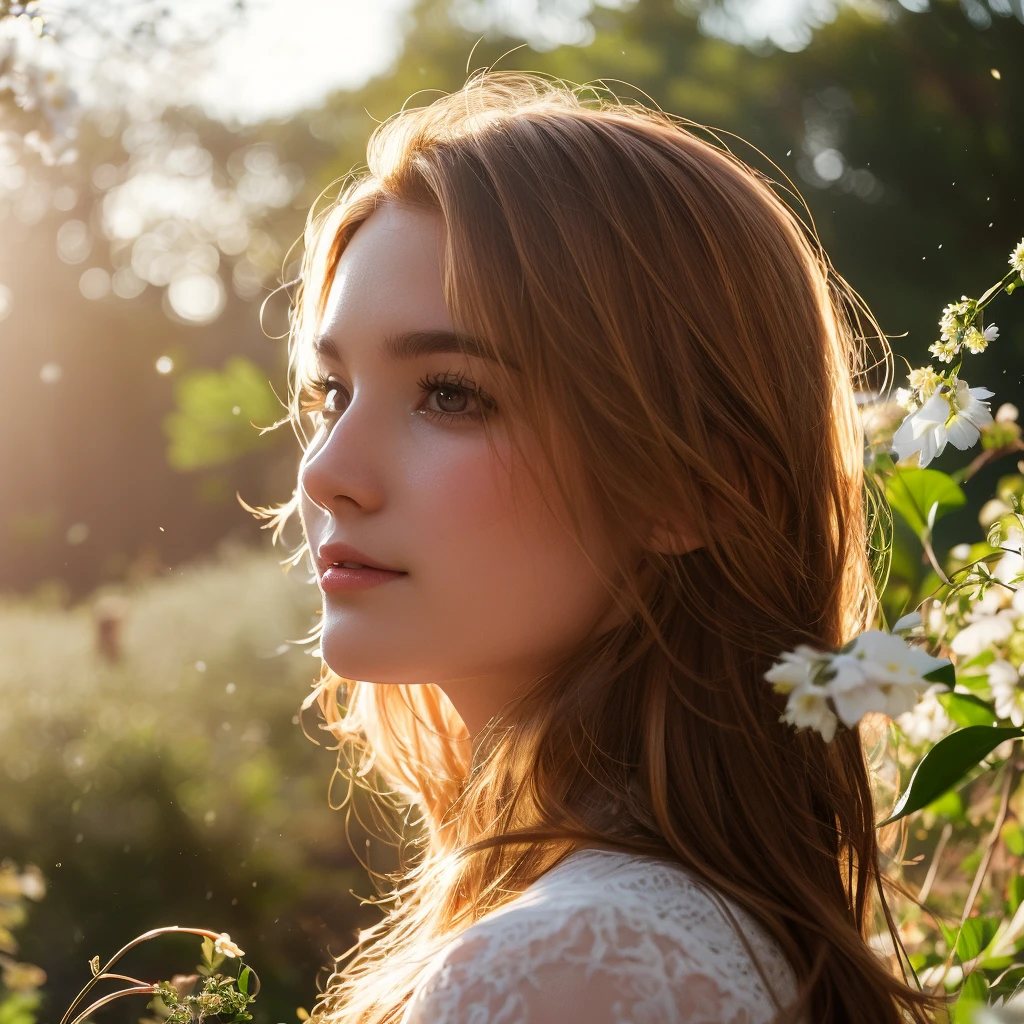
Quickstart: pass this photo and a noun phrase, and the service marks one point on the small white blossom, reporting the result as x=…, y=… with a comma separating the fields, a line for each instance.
x=956, y=316
x=976, y=341
x=1007, y=413
x=905, y=398
x=985, y=632
x=807, y=708
x=945, y=351
x=924, y=380
x=928, y=722
x=1017, y=258
x=1007, y=691
x=225, y=946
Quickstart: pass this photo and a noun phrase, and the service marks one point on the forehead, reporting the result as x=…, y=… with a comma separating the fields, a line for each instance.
x=388, y=279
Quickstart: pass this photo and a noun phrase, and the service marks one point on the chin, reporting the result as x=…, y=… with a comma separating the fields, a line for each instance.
x=352, y=659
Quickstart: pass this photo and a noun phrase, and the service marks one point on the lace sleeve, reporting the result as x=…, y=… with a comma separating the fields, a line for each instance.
x=598, y=964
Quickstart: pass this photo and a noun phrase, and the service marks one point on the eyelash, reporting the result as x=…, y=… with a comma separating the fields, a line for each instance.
x=448, y=381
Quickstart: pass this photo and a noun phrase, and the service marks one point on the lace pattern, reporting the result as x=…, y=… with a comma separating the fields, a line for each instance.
x=607, y=938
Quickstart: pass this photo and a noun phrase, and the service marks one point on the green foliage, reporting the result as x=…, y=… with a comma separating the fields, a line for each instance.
x=966, y=709
x=175, y=782
x=220, y=997
x=922, y=497
x=947, y=763
x=219, y=415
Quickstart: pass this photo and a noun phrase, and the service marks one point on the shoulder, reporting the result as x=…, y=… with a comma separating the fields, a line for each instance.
x=606, y=938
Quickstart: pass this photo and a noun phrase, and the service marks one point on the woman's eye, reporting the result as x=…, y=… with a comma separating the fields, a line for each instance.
x=334, y=399
x=453, y=399
x=326, y=397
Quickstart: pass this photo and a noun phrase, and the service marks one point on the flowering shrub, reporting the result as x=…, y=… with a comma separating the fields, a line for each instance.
x=947, y=675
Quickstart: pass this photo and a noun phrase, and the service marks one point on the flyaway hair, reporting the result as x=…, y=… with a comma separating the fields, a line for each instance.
x=674, y=335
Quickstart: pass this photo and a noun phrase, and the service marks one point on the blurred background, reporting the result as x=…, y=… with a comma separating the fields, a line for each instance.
x=156, y=165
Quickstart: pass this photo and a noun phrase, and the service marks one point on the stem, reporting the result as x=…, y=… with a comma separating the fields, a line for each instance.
x=985, y=457
x=990, y=845
x=933, y=868
x=150, y=989
x=996, y=289
x=145, y=937
x=926, y=541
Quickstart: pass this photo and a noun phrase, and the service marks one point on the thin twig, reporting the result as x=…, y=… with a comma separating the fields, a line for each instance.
x=151, y=934
x=933, y=868
x=993, y=836
x=143, y=990
x=989, y=455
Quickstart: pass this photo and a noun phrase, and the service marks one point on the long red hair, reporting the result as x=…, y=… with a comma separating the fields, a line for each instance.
x=701, y=353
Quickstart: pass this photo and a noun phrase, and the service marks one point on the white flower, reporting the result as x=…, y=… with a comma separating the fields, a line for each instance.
x=797, y=668
x=976, y=341
x=1007, y=691
x=1017, y=258
x=954, y=415
x=985, y=632
x=1007, y=413
x=991, y=332
x=905, y=398
x=970, y=414
x=923, y=431
x=877, y=672
x=924, y=380
x=956, y=316
x=945, y=351
x=226, y=946
x=807, y=708
x=928, y=722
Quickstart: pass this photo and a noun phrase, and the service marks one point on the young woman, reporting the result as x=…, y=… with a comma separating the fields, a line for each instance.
x=582, y=458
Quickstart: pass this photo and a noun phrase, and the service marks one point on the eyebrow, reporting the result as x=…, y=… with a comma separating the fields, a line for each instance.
x=413, y=345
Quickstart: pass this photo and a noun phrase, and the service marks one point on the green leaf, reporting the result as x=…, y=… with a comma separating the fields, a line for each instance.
x=947, y=763
x=982, y=660
x=944, y=674
x=974, y=936
x=949, y=805
x=975, y=988
x=966, y=709
x=914, y=492
x=1014, y=893
x=949, y=934
x=243, y=980
x=1013, y=837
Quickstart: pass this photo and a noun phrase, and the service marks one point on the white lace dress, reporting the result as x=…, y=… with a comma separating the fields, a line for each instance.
x=607, y=938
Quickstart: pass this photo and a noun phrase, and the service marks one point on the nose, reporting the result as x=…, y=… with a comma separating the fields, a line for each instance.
x=343, y=469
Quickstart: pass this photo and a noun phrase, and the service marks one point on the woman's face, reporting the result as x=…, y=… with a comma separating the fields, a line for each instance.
x=487, y=589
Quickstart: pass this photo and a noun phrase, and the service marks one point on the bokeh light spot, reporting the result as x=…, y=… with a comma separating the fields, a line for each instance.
x=164, y=364
x=197, y=298
x=94, y=284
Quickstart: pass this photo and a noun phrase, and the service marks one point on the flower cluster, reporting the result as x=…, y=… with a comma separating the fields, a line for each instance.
x=876, y=671
x=990, y=635
x=1017, y=258
x=941, y=407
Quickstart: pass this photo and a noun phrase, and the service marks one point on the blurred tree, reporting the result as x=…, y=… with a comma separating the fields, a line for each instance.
x=898, y=126
x=218, y=413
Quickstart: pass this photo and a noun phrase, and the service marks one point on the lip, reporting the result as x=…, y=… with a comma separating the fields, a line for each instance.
x=336, y=578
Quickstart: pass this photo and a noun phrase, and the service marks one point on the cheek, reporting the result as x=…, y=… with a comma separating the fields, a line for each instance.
x=501, y=577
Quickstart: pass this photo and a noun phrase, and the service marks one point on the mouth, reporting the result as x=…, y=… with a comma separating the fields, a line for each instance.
x=341, y=567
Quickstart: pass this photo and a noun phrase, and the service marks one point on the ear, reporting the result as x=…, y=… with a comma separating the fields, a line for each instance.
x=672, y=540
